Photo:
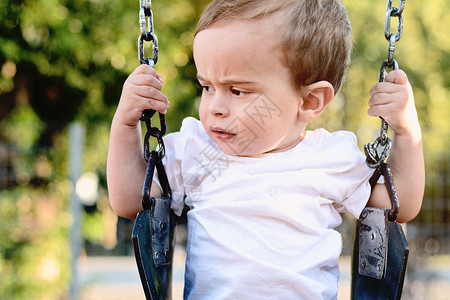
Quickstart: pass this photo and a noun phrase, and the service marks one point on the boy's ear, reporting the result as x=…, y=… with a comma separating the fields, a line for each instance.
x=316, y=98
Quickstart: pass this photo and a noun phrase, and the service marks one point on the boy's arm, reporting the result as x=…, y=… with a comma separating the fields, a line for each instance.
x=126, y=166
x=393, y=100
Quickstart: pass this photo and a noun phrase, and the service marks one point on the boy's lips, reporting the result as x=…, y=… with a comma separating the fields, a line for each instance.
x=221, y=134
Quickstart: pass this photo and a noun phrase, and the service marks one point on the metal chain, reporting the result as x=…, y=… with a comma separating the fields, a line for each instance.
x=374, y=159
x=147, y=34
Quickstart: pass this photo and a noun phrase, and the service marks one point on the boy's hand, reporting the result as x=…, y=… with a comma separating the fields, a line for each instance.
x=126, y=164
x=393, y=100
x=141, y=91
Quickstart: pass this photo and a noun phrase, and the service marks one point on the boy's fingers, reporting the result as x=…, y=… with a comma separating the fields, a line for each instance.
x=146, y=69
x=378, y=99
x=395, y=81
x=156, y=105
x=396, y=76
x=146, y=80
x=385, y=88
x=155, y=102
x=152, y=93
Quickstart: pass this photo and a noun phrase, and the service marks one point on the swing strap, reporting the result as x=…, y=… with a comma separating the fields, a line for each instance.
x=373, y=228
x=153, y=233
x=380, y=250
x=379, y=258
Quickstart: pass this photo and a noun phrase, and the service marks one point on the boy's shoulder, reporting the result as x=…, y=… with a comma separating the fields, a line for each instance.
x=191, y=124
x=192, y=129
x=324, y=136
x=339, y=146
x=190, y=134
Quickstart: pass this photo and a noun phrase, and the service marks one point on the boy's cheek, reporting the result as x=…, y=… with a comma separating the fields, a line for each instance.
x=262, y=111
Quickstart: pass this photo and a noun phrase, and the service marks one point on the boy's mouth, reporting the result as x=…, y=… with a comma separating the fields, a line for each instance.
x=221, y=134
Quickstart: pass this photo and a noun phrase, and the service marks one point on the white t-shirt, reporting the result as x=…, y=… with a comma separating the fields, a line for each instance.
x=262, y=227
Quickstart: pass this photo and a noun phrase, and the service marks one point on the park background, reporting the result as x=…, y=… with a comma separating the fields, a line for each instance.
x=62, y=66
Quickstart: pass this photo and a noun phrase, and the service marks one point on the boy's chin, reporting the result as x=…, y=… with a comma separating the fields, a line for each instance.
x=234, y=150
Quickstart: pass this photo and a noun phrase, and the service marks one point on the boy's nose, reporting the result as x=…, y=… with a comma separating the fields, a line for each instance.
x=219, y=106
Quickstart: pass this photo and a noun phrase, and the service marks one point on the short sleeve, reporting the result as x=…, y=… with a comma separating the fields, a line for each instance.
x=178, y=159
x=354, y=176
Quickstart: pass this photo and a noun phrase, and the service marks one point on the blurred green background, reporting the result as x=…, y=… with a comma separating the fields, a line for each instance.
x=65, y=61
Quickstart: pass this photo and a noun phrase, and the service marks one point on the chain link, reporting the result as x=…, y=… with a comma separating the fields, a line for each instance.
x=392, y=12
x=374, y=160
x=147, y=33
x=392, y=38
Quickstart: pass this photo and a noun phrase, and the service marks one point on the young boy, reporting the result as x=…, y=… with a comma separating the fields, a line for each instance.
x=264, y=194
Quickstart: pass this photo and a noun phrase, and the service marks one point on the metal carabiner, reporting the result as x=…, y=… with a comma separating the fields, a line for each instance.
x=373, y=159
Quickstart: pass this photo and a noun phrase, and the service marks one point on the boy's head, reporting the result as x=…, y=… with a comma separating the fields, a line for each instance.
x=315, y=35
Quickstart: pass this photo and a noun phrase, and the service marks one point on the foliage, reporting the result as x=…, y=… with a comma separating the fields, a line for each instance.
x=33, y=243
x=62, y=61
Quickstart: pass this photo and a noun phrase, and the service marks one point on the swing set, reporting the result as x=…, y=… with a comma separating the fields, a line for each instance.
x=380, y=249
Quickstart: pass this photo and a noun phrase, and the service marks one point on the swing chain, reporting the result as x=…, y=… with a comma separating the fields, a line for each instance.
x=147, y=33
x=154, y=132
x=374, y=160
x=392, y=38
x=394, y=12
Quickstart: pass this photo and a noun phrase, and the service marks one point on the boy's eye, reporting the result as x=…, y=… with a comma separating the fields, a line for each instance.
x=205, y=88
x=238, y=92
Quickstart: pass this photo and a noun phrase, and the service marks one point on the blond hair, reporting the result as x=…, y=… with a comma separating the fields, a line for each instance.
x=315, y=35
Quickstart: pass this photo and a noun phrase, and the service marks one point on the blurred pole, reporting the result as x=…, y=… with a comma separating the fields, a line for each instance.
x=76, y=141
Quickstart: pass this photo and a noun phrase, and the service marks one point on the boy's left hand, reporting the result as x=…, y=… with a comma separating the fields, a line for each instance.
x=393, y=100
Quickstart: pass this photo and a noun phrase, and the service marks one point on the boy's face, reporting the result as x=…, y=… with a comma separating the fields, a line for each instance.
x=249, y=105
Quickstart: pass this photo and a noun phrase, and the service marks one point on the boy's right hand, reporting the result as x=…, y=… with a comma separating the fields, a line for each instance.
x=141, y=91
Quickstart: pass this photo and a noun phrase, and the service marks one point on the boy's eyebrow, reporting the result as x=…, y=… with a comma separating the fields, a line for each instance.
x=226, y=80
x=200, y=77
